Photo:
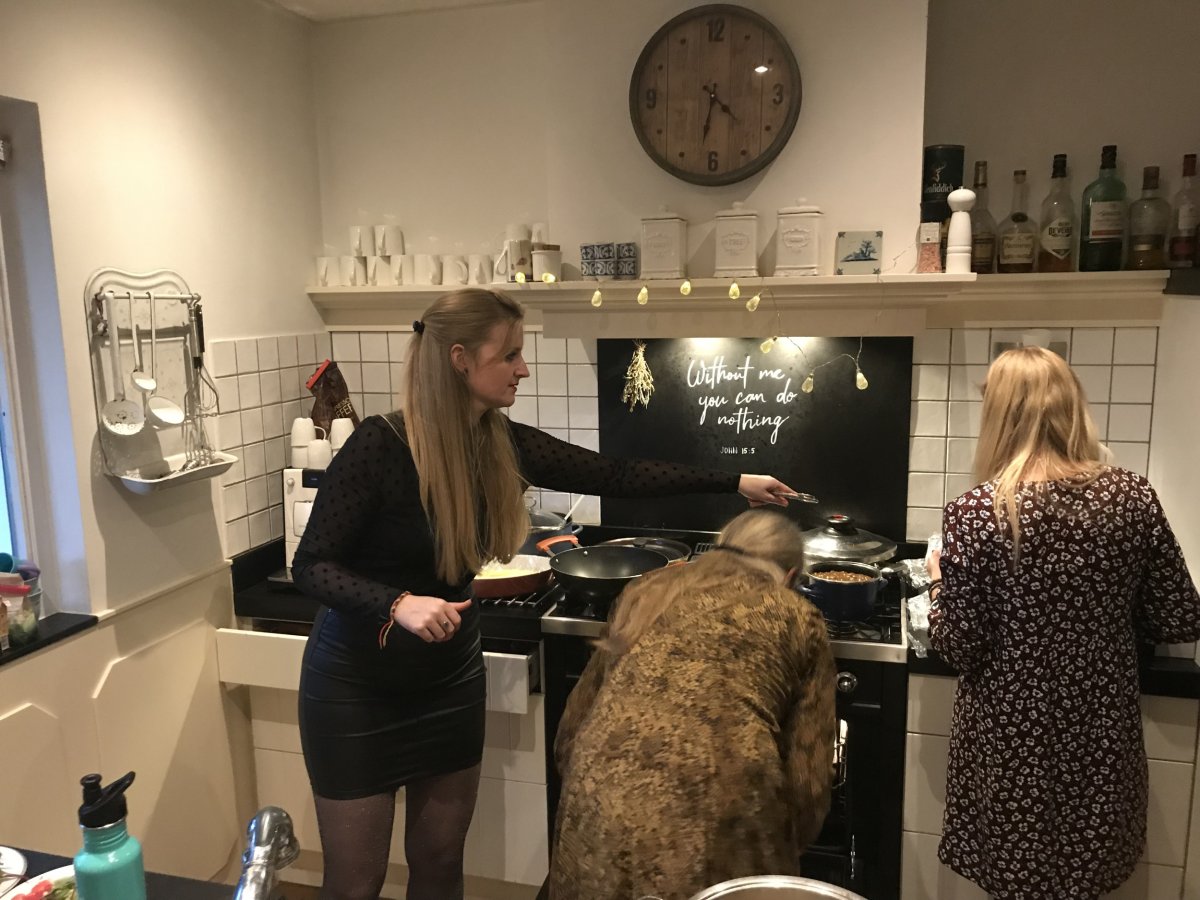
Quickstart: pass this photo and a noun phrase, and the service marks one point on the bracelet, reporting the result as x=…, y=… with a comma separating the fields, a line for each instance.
x=387, y=626
x=936, y=583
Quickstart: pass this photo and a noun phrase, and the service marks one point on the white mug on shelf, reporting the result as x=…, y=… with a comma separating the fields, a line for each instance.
x=428, y=269
x=547, y=262
x=389, y=240
x=320, y=452
x=339, y=430
x=328, y=272
x=454, y=269
x=354, y=271
x=300, y=457
x=303, y=431
x=379, y=271
x=362, y=240
x=479, y=268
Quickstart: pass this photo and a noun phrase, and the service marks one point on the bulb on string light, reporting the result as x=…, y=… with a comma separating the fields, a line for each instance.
x=597, y=298
x=766, y=345
x=643, y=296
x=752, y=303
x=685, y=288
x=548, y=278
x=860, y=380
x=807, y=387
x=520, y=278
x=734, y=291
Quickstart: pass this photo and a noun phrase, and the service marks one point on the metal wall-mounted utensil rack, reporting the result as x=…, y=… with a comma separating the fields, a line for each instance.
x=156, y=403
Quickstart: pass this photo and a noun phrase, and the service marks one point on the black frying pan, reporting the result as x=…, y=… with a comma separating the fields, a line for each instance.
x=596, y=575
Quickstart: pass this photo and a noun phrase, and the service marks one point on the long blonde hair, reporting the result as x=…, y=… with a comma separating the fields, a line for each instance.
x=471, y=487
x=1035, y=421
x=762, y=546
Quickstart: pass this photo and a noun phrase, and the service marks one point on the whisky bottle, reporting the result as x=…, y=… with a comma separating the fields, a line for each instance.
x=983, y=226
x=1056, y=240
x=1017, y=238
x=1185, y=217
x=1102, y=218
x=1149, y=220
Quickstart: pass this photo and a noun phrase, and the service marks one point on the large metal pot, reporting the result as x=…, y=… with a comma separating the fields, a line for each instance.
x=839, y=538
x=545, y=524
x=775, y=887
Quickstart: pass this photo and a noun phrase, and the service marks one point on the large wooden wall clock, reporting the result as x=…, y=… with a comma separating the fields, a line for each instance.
x=715, y=94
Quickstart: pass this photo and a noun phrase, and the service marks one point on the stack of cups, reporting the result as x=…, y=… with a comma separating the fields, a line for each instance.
x=339, y=430
x=304, y=433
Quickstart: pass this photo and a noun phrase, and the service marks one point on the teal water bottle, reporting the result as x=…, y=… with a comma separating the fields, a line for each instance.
x=109, y=867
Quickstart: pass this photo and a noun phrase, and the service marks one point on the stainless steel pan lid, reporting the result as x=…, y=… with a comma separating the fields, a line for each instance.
x=838, y=538
x=774, y=887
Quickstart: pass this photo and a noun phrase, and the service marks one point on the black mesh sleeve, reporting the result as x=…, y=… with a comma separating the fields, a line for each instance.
x=550, y=463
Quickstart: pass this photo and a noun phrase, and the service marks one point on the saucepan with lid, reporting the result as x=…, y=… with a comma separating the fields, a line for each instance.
x=772, y=887
x=840, y=539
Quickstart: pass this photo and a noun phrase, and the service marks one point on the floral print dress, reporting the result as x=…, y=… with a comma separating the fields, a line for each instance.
x=1047, y=779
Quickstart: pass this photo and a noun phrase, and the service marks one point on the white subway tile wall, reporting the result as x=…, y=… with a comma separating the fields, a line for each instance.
x=1116, y=367
x=261, y=386
x=260, y=383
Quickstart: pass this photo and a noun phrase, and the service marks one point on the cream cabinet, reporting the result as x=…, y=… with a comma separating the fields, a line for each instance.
x=1170, y=727
x=507, y=846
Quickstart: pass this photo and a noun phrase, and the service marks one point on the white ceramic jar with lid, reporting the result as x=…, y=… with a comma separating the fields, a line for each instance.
x=664, y=245
x=798, y=240
x=736, y=243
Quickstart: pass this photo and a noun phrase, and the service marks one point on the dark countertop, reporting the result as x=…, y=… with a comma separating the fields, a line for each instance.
x=51, y=629
x=158, y=887
x=1161, y=676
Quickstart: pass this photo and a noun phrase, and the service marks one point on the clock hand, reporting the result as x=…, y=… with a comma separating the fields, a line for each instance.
x=712, y=100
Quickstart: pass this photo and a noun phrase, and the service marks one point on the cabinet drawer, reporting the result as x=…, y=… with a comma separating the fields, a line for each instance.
x=265, y=659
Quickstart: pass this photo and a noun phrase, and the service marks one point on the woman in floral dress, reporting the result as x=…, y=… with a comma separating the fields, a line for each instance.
x=1053, y=569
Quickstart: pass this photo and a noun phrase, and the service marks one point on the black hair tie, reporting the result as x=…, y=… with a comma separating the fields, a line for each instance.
x=418, y=326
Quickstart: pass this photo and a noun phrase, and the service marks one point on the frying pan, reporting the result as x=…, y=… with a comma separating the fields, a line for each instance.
x=596, y=575
x=676, y=552
x=523, y=574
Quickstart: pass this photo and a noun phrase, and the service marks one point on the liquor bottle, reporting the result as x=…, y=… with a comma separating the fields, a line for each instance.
x=1149, y=221
x=1185, y=217
x=983, y=226
x=1056, y=242
x=1102, y=215
x=1017, y=238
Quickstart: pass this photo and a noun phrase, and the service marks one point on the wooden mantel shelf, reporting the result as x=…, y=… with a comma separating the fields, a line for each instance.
x=823, y=305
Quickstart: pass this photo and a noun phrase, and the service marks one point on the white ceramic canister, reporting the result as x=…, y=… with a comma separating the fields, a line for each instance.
x=736, y=243
x=664, y=245
x=798, y=240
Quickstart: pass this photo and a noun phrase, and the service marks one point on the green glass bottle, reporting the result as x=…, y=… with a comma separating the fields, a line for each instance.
x=1102, y=219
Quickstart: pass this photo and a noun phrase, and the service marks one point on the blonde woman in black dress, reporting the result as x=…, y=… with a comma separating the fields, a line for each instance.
x=392, y=686
x=1053, y=568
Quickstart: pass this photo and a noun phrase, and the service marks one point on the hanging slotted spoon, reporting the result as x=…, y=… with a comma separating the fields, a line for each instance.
x=164, y=411
x=120, y=416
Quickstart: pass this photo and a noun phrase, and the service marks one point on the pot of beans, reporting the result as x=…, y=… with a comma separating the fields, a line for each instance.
x=843, y=591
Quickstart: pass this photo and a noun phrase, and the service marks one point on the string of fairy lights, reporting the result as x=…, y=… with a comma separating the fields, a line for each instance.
x=761, y=292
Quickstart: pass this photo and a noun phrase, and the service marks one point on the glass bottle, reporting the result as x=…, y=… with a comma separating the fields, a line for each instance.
x=1149, y=221
x=1017, y=237
x=983, y=226
x=1185, y=217
x=1056, y=241
x=1102, y=218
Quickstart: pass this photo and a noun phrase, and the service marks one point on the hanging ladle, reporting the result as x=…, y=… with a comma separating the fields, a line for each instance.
x=142, y=381
x=162, y=410
x=120, y=416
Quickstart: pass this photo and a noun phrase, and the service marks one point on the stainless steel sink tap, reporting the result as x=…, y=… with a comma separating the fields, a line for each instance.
x=271, y=845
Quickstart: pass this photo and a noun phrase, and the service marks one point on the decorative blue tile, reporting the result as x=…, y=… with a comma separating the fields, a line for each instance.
x=587, y=267
x=627, y=268
x=587, y=251
x=606, y=268
x=627, y=251
x=606, y=251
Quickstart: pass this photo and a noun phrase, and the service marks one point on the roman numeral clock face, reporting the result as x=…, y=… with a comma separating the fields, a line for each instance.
x=715, y=94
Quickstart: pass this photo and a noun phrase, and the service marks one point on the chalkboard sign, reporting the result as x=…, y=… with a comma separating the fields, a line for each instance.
x=722, y=403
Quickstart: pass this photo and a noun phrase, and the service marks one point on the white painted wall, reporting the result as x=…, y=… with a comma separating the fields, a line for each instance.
x=177, y=134
x=457, y=122
x=1020, y=81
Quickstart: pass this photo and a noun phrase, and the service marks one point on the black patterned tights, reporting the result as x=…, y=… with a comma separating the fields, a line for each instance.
x=356, y=836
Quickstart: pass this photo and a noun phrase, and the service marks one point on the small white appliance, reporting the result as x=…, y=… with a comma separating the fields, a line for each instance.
x=299, y=492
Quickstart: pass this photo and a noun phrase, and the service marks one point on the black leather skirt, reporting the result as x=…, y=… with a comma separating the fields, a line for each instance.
x=374, y=720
